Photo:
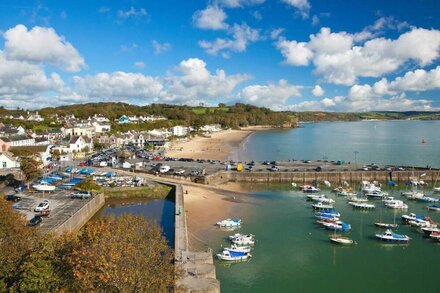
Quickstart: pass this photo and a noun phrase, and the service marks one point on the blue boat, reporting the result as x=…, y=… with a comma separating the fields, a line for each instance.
x=389, y=236
x=231, y=255
x=326, y=216
x=69, y=170
x=331, y=213
x=342, y=227
x=434, y=207
x=47, y=180
x=74, y=181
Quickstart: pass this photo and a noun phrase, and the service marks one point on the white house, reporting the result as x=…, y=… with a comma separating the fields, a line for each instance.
x=211, y=128
x=80, y=129
x=80, y=143
x=21, y=140
x=8, y=161
x=101, y=127
x=35, y=117
x=179, y=130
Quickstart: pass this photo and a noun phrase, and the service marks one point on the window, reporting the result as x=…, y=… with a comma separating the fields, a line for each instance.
x=4, y=164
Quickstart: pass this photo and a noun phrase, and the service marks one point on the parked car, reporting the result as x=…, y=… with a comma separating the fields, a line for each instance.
x=44, y=205
x=274, y=168
x=164, y=169
x=35, y=221
x=179, y=172
x=13, y=197
x=81, y=194
x=194, y=172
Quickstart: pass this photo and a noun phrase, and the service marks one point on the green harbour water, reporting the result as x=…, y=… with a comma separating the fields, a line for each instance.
x=294, y=254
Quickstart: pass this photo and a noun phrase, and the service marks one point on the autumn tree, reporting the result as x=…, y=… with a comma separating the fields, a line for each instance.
x=31, y=168
x=124, y=254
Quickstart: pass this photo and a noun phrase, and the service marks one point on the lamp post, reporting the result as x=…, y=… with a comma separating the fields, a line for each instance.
x=355, y=158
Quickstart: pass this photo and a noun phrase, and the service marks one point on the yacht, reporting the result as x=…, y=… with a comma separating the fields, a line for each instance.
x=341, y=240
x=228, y=223
x=362, y=205
x=396, y=204
x=322, y=206
x=43, y=186
x=389, y=236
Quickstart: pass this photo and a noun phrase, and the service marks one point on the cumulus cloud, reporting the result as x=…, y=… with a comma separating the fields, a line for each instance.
x=241, y=36
x=193, y=81
x=238, y=3
x=211, y=18
x=318, y=91
x=160, y=48
x=340, y=61
x=118, y=85
x=132, y=12
x=303, y=6
x=273, y=95
x=41, y=45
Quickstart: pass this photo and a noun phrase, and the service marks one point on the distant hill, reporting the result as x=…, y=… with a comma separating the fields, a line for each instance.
x=312, y=116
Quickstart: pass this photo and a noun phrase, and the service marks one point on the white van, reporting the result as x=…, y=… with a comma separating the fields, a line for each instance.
x=164, y=169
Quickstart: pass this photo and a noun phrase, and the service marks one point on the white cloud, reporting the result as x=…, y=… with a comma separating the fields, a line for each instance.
x=315, y=20
x=132, y=12
x=318, y=91
x=274, y=34
x=303, y=6
x=160, y=48
x=272, y=95
x=193, y=81
x=297, y=54
x=238, y=3
x=117, y=85
x=41, y=45
x=139, y=64
x=257, y=15
x=339, y=61
x=211, y=18
x=242, y=35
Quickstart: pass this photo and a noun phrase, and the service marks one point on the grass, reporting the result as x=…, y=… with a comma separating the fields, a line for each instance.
x=156, y=192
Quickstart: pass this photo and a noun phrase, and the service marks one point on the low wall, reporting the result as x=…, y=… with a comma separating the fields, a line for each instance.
x=82, y=216
x=333, y=177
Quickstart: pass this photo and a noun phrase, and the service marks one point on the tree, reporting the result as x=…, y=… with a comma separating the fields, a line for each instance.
x=124, y=254
x=30, y=168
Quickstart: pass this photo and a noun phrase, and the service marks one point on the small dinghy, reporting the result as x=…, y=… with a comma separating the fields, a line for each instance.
x=228, y=223
x=389, y=236
x=341, y=240
x=229, y=255
x=386, y=225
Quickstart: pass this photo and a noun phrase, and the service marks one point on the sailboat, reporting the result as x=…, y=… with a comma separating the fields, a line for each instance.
x=386, y=225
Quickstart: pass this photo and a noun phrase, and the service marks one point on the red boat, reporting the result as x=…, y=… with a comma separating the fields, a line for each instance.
x=435, y=235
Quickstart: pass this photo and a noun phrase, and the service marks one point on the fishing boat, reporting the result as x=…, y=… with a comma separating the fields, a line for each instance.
x=323, y=199
x=376, y=194
x=228, y=223
x=412, y=217
x=434, y=207
x=396, y=204
x=427, y=199
x=43, y=186
x=238, y=235
x=339, y=227
x=362, y=205
x=389, y=236
x=236, y=248
x=341, y=240
x=310, y=188
x=241, y=241
x=322, y=206
x=435, y=235
x=229, y=255
x=386, y=225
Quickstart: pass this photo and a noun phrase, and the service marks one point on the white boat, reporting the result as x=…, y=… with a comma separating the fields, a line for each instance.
x=357, y=199
x=362, y=205
x=229, y=223
x=229, y=255
x=243, y=241
x=346, y=193
x=238, y=235
x=341, y=240
x=436, y=189
x=414, y=194
x=412, y=217
x=43, y=186
x=324, y=199
x=310, y=188
x=429, y=230
x=386, y=225
x=327, y=216
x=236, y=248
x=387, y=199
x=421, y=223
x=427, y=199
x=435, y=235
x=389, y=236
x=376, y=194
x=396, y=204
x=434, y=208
x=343, y=227
x=322, y=206
x=369, y=187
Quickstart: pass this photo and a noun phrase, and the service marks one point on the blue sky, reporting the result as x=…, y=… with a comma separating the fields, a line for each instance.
x=284, y=54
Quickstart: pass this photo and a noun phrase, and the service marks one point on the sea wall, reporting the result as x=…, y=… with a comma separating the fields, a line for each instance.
x=82, y=216
x=335, y=177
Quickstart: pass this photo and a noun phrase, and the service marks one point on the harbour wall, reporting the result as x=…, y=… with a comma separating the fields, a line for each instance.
x=335, y=177
x=82, y=216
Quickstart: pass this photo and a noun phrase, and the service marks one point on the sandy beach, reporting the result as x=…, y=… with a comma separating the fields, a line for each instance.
x=216, y=146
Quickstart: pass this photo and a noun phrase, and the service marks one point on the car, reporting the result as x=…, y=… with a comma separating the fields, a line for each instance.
x=81, y=194
x=194, y=172
x=35, y=221
x=44, y=205
x=318, y=169
x=179, y=172
x=274, y=168
x=164, y=169
x=13, y=197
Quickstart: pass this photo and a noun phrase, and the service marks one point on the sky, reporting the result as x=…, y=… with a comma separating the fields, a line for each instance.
x=282, y=54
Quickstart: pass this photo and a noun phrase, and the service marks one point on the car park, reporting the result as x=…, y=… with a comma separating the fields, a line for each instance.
x=44, y=205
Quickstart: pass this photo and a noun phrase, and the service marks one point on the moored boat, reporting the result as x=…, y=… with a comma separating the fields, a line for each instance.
x=429, y=230
x=357, y=199
x=238, y=235
x=327, y=216
x=322, y=206
x=43, y=186
x=339, y=227
x=341, y=240
x=310, y=188
x=242, y=241
x=436, y=189
x=435, y=235
x=427, y=199
x=434, y=207
x=362, y=205
x=228, y=223
x=386, y=225
x=323, y=199
x=412, y=217
x=389, y=236
x=237, y=248
x=396, y=204
x=229, y=255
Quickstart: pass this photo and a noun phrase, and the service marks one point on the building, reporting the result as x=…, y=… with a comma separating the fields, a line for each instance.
x=179, y=130
x=101, y=127
x=35, y=117
x=80, y=144
x=211, y=128
x=9, y=130
x=21, y=140
x=80, y=129
x=123, y=120
x=8, y=161
x=5, y=144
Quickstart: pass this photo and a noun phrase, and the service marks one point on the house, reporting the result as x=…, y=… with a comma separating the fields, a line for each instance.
x=55, y=134
x=21, y=140
x=123, y=120
x=154, y=118
x=8, y=161
x=180, y=130
x=41, y=141
x=211, y=128
x=9, y=130
x=17, y=117
x=101, y=127
x=80, y=129
x=80, y=144
x=5, y=144
x=35, y=117
x=99, y=118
